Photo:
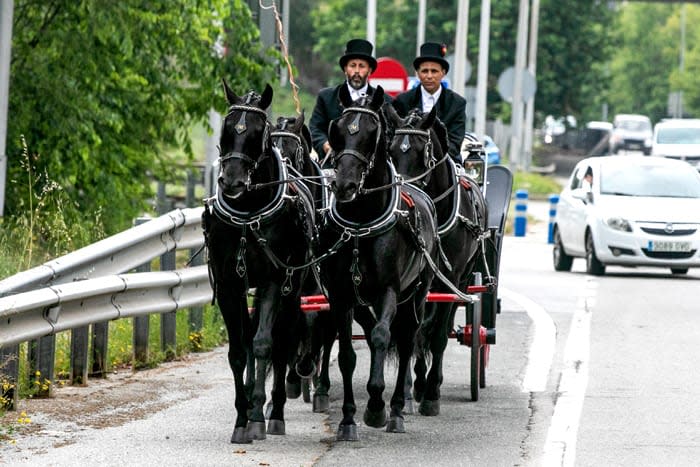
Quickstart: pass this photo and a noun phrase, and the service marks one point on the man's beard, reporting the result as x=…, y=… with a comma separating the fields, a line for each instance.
x=357, y=82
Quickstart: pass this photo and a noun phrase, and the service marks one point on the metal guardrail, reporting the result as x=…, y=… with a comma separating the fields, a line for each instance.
x=89, y=284
x=30, y=315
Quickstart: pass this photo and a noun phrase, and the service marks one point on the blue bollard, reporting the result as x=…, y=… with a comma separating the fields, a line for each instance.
x=553, y=201
x=520, y=213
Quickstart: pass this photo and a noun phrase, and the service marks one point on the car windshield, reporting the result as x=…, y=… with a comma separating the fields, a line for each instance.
x=634, y=125
x=678, y=136
x=650, y=180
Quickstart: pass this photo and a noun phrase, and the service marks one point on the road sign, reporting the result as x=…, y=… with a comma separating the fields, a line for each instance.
x=390, y=75
x=506, y=82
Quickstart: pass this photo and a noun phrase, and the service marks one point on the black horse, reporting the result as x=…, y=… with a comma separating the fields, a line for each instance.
x=380, y=237
x=292, y=137
x=419, y=152
x=258, y=230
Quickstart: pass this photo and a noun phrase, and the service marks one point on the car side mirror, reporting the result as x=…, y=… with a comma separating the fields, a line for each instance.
x=583, y=194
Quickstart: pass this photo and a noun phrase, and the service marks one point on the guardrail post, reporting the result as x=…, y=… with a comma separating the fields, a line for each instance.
x=79, y=355
x=141, y=323
x=9, y=377
x=168, y=331
x=553, y=201
x=42, y=354
x=100, y=344
x=520, y=224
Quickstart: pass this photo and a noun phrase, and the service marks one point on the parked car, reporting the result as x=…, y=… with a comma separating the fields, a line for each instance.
x=637, y=211
x=631, y=131
x=678, y=138
x=493, y=153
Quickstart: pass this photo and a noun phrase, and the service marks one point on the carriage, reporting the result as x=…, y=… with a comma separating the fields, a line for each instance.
x=378, y=245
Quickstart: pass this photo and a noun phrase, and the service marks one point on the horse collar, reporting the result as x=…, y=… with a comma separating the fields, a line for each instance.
x=236, y=218
x=379, y=225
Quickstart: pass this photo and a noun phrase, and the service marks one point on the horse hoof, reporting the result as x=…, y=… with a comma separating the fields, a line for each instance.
x=417, y=396
x=321, y=403
x=275, y=427
x=375, y=419
x=256, y=430
x=293, y=390
x=408, y=407
x=395, y=425
x=347, y=433
x=430, y=408
x=240, y=436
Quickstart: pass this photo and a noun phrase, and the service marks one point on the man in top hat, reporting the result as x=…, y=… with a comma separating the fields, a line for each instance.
x=431, y=68
x=357, y=63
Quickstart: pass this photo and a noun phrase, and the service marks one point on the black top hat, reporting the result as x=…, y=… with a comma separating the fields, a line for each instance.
x=358, y=48
x=432, y=52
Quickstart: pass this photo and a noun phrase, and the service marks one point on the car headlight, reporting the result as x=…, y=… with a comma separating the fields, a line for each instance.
x=618, y=223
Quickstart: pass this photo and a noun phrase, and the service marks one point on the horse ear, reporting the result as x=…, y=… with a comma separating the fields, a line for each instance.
x=298, y=124
x=344, y=95
x=393, y=116
x=266, y=98
x=333, y=134
x=231, y=96
x=377, y=98
x=429, y=119
x=441, y=131
x=305, y=133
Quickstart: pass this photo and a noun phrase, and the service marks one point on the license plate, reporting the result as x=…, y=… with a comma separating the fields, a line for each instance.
x=668, y=246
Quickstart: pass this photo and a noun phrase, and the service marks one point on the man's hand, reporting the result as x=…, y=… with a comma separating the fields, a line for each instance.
x=326, y=147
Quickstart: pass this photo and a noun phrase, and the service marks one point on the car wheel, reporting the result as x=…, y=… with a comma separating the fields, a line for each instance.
x=679, y=270
x=593, y=265
x=562, y=261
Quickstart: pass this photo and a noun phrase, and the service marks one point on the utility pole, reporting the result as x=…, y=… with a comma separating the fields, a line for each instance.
x=6, y=13
x=372, y=23
x=483, y=73
x=532, y=67
x=516, y=120
x=461, y=47
x=420, y=36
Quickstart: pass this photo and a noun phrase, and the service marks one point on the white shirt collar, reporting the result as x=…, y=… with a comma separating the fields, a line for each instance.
x=429, y=100
x=357, y=93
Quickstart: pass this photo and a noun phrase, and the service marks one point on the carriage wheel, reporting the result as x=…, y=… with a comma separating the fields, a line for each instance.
x=482, y=365
x=477, y=361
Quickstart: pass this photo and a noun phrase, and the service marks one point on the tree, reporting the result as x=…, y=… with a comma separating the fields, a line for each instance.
x=101, y=90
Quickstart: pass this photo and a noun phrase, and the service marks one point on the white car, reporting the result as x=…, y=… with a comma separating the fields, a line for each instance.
x=637, y=211
x=678, y=138
x=631, y=131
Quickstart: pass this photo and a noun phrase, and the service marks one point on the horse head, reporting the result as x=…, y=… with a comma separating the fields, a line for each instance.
x=358, y=141
x=418, y=144
x=292, y=137
x=245, y=140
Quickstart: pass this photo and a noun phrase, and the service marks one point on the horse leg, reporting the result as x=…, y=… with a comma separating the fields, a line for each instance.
x=321, y=400
x=347, y=359
x=375, y=413
x=239, y=329
x=430, y=406
x=420, y=368
x=266, y=300
x=405, y=330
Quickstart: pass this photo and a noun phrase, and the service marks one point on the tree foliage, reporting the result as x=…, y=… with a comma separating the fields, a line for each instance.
x=101, y=90
x=574, y=44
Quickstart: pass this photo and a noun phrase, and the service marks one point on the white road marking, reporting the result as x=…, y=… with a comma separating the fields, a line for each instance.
x=560, y=446
x=542, y=348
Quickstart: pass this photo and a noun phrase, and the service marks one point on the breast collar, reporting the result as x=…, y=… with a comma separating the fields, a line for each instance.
x=231, y=216
x=378, y=226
